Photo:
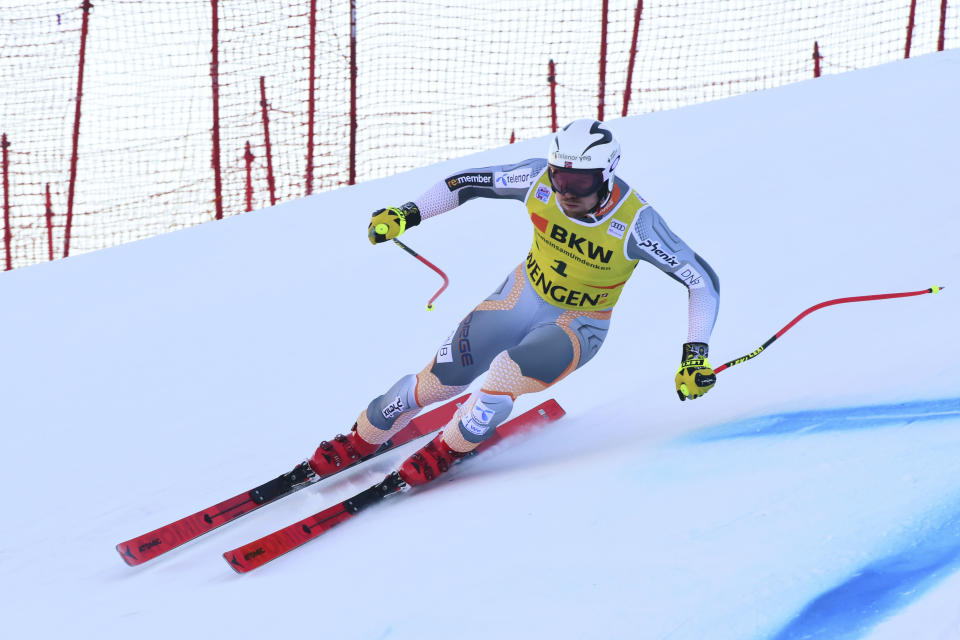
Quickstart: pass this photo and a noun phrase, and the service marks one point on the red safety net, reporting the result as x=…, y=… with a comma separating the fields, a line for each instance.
x=192, y=110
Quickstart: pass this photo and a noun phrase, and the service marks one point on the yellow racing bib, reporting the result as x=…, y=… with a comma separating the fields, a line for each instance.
x=580, y=265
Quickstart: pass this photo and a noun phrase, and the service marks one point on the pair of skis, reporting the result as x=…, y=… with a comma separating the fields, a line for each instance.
x=257, y=553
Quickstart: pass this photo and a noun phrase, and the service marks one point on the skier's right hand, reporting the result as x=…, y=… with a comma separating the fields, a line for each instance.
x=387, y=224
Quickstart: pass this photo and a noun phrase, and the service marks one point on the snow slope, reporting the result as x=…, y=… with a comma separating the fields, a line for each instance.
x=815, y=493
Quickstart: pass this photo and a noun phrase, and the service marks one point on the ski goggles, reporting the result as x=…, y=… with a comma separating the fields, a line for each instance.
x=576, y=182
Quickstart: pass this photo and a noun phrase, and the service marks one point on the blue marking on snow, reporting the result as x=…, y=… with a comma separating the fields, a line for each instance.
x=820, y=420
x=854, y=607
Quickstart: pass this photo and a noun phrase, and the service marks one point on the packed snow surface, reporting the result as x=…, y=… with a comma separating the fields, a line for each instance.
x=814, y=493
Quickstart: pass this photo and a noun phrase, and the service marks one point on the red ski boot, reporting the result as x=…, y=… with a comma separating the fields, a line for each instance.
x=429, y=462
x=343, y=452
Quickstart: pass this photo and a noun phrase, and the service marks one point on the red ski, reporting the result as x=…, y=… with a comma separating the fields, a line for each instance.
x=159, y=541
x=257, y=553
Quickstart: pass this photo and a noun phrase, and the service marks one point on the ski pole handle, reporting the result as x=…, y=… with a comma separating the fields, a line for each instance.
x=828, y=303
x=419, y=257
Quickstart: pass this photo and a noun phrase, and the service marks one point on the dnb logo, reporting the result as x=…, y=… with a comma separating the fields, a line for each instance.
x=690, y=276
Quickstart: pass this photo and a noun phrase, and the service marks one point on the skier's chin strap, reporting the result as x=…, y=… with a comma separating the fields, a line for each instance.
x=594, y=214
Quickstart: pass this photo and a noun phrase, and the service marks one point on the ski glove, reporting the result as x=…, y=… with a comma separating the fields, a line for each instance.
x=695, y=376
x=387, y=224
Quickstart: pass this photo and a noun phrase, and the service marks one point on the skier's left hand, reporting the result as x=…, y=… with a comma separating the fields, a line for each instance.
x=695, y=376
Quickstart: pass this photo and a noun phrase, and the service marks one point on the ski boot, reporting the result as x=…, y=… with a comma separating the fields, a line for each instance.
x=429, y=462
x=342, y=452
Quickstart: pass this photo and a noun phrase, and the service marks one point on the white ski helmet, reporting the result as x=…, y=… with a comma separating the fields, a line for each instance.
x=582, y=158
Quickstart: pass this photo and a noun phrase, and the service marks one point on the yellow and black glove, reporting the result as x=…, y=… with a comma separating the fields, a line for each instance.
x=387, y=224
x=695, y=376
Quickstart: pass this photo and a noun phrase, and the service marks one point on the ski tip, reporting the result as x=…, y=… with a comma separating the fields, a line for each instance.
x=937, y=289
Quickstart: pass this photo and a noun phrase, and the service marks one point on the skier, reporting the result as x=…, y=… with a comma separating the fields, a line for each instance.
x=550, y=316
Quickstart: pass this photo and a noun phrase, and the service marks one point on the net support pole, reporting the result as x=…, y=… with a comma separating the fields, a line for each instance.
x=311, y=98
x=552, y=81
x=72, y=188
x=215, y=87
x=602, y=89
x=7, y=233
x=943, y=24
x=248, y=165
x=910, y=23
x=268, y=150
x=637, y=14
x=352, y=172
x=49, y=217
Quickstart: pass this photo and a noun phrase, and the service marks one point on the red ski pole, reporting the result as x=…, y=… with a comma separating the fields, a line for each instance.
x=828, y=303
x=419, y=257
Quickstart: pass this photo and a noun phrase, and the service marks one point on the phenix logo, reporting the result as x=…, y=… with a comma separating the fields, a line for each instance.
x=653, y=247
